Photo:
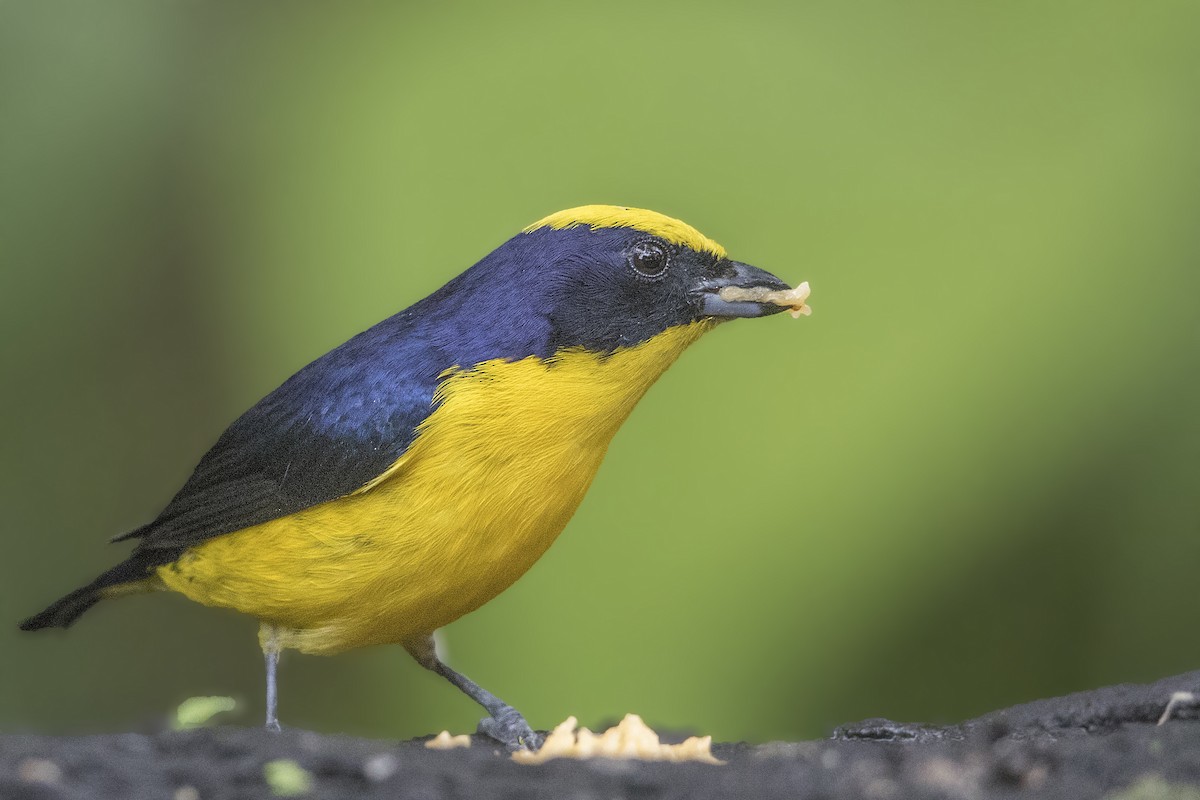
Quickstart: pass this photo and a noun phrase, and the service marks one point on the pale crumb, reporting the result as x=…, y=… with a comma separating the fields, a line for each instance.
x=632, y=738
x=1177, y=699
x=444, y=741
x=39, y=770
x=792, y=299
x=378, y=768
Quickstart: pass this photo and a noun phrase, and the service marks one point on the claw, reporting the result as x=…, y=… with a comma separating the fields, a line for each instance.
x=511, y=730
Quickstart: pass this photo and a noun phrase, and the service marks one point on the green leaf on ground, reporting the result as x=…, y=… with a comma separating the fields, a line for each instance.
x=287, y=778
x=196, y=712
x=1155, y=787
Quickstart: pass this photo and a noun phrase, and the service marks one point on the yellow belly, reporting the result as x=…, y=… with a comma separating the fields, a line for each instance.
x=495, y=473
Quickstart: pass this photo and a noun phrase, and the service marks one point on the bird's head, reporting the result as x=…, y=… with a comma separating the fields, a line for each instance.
x=597, y=278
x=606, y=277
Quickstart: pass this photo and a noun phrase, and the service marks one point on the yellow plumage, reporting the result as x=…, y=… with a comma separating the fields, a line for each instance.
x=494, y=475
x=437, y=455
x=666, y=228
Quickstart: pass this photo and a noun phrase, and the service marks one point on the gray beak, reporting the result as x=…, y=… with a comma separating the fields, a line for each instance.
x=735, y=273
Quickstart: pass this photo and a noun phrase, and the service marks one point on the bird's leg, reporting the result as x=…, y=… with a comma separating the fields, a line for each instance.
x=505, y=725
x=269, y=638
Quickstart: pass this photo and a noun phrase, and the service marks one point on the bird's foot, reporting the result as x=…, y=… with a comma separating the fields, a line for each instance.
x=510, y=729
x=273, y=726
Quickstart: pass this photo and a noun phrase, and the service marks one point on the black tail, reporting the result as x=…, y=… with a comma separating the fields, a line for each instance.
x=64, y=611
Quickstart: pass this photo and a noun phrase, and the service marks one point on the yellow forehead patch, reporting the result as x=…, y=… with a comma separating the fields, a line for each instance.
x=651, y=222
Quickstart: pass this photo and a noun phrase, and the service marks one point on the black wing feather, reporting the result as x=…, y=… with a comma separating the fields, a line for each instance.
x=329, y=430
x=348, y=416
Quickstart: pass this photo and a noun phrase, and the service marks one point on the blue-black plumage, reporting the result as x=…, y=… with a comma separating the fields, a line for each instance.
x=410, y=474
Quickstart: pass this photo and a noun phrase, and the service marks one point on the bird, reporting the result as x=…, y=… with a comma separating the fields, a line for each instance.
x=413, y=473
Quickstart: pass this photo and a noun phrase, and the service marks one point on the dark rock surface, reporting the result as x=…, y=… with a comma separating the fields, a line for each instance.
x=1099, y=744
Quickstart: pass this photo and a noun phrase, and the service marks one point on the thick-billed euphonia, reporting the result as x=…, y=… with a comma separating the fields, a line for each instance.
x=410, y=475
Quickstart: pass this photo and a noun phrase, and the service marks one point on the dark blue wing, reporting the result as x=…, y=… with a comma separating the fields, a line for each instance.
x=327, y=431
x=345, y=418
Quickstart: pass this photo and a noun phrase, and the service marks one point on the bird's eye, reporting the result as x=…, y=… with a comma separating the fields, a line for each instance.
x=648, y=259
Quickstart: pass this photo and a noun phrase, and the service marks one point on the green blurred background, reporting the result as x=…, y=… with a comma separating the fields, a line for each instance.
x=969, y=479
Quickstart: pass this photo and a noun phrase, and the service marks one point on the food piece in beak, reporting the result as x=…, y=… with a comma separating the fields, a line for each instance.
x=791, y=299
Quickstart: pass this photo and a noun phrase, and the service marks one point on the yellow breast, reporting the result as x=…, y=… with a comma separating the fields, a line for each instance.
x=495, y=473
